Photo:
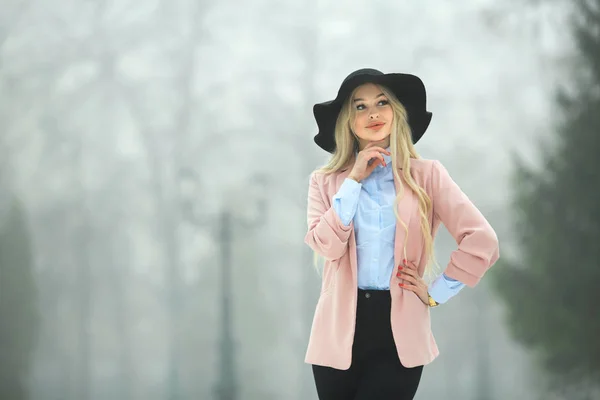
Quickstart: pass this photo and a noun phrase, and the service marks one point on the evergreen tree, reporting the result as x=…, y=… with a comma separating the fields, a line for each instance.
x=552, y=290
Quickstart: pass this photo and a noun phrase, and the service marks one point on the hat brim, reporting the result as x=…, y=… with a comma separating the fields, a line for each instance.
x=409, y=89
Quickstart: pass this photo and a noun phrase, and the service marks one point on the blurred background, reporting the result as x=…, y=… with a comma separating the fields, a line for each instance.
x=154, y=166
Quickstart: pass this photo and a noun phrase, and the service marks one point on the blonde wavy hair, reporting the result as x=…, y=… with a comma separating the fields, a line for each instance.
x=402, y=149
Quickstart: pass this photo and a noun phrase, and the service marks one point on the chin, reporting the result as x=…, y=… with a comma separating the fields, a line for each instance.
x=380, y=138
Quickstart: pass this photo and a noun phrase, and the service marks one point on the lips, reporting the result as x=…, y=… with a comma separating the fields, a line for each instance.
x=376, y=126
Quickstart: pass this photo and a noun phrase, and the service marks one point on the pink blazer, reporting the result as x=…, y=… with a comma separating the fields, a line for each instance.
x=332, y=333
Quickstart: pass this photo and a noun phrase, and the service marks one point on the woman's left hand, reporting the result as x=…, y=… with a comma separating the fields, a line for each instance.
x=410, y=280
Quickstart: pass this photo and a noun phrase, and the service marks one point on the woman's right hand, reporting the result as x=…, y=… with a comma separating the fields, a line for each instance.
x=362, y=168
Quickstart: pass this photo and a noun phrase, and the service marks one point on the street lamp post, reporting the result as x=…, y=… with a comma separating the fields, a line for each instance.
x=227, y=384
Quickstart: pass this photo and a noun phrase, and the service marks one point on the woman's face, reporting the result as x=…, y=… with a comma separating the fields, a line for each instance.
x=373, y=116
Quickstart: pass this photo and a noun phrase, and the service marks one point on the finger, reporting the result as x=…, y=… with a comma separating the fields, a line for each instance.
x=376, y=154
x=372, y=154
x=408, y=271
x=370, y=147
x=409, y=286
x=411, y=267
x=411, y=280
x=372, y=157
x=407, y=274
x=407, y=277
x=378, y=157
x=378, y=149
x=404, y=267
x=372, y=166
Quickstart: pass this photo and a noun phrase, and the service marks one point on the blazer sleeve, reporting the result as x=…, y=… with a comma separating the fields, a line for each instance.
x=327, y=235
x=477, y=241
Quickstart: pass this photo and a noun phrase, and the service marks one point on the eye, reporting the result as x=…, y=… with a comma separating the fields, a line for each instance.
x=380, y=103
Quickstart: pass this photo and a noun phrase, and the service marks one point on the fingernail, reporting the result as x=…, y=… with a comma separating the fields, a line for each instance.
x=402, y=284
x=404, y=261
x=398, y=274
x=399, y=267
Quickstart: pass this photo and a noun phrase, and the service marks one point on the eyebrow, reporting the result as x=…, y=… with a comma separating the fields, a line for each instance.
x=378, y=96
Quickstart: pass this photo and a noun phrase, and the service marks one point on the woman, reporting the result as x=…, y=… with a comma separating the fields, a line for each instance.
x=373, y=212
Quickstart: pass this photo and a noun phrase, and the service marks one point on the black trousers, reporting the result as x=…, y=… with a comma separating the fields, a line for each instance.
x=376, y=372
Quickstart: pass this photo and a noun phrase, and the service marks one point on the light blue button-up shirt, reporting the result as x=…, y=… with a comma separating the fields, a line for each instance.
x=370, y=205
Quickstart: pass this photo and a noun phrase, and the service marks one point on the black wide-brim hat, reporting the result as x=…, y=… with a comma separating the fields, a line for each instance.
x=409, y=89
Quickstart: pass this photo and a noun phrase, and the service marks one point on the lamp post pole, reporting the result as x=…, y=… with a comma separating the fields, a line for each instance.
x=227, y=386
x=227, y=380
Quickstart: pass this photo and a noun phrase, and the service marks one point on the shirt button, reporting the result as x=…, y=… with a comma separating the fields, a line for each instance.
x=367, y=295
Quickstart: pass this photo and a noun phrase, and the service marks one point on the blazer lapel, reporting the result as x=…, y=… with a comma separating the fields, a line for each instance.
x=343, y=174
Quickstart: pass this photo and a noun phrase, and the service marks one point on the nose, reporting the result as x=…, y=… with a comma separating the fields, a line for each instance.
x=374, y=115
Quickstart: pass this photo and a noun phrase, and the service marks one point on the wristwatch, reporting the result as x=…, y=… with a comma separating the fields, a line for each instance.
x=432, y=302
